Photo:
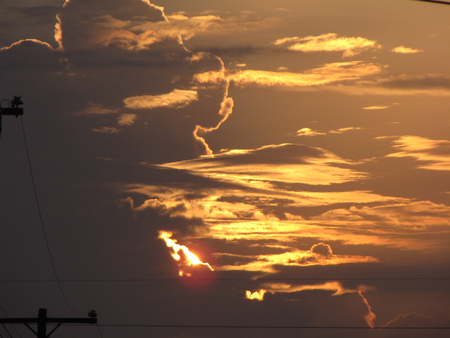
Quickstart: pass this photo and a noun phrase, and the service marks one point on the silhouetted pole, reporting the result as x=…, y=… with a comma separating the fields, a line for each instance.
x=42, y=321
x=13, y=109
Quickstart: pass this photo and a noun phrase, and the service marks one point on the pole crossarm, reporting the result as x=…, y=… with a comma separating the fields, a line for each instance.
x=49, y=320
x=11, y=111
x=42, y=320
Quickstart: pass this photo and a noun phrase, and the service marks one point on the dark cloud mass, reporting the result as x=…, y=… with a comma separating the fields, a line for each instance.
x=175, y=184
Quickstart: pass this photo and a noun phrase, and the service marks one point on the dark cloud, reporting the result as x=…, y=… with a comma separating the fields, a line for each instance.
x=322, y=249
x=428, y=81
x=40, y=14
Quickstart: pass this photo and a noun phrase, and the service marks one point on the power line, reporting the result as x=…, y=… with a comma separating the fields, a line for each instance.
x=278, y=327
x=4, y=312
x=224, y=279
x=436, y=1
x=42, y=222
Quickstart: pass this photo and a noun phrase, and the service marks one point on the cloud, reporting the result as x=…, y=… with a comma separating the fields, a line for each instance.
x=406, y=50
x=375, y=107
x=319, y=254
x=414, y=319
x=106, y=24
x=106, y=130
x=330, y=43
x=95, y=109
x=258, y=295
x=176, y=99
x=435, y=153
x=308, y=132
x=425, y=84
x=126, y=119
x=283, y=163
x=337, y=287
x=344, y=130
x=325, y=75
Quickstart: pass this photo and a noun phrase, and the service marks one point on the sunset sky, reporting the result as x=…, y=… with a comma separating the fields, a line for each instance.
x=226, y=163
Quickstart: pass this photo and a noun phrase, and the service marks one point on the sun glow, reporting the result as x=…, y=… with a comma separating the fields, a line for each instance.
x=181, y=254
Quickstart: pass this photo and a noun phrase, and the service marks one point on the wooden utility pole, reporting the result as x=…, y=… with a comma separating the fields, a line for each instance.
x=42, y=321
x=13, y=109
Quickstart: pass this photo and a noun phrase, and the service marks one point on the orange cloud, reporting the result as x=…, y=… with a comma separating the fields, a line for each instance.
x=283, y=163
x=325, y=75
x=258, y=295
x=319, y=254
x=406, y=50
x=106, y=130
x=414, y=319
x=176, y=99
x=226, y=108
x=308, y=132
x=330, y=43
x=344, y=130
x=375, y=107
x=337, y=287
x=127, y=119
x=96, y=109
x=425, y=84
x=435, y=153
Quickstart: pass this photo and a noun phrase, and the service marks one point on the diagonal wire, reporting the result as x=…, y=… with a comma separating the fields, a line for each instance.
x=42, y=222
x=436, y=1
x=9, y=334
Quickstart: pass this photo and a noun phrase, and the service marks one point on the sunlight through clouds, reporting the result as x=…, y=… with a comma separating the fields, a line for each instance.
x=330, y=43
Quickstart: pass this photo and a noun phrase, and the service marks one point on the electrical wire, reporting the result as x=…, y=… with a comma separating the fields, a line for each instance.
x=277, y=327
x=125, y=280
x=42, y=222
x=99, y=331
x=436, y=1
x=4, y=312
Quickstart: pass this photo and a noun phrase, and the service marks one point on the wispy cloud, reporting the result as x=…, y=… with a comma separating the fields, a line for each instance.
x=406, y=50
x=344, y=130
x=126, y=119
x=337, y=287
x=375, y=107
x=96, y=109
x=284, y=163
x=308, y=132
x=435, y=153
x=325, y=75
x=176, y=99
x=319, y=254
x=106, y=130
x=329, y=43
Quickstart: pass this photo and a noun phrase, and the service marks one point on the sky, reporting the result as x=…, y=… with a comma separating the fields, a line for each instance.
x=226, y=164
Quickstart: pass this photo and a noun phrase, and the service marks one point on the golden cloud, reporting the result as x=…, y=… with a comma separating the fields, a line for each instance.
x=176, y=99
x=126, y=119
x=325, y=75
x=308, y=132
x=406, y=50
x=375, y=107
x=436, y=153
x=319, y=254
x=96, y=109
x=282, y=163
x=330, y=43
x=337, y=287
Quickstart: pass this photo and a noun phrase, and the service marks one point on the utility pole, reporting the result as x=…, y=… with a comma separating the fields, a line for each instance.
x=42, y=321
x=12, y=109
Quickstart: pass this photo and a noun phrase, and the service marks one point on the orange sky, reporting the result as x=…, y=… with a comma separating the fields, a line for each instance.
x=267, y=163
